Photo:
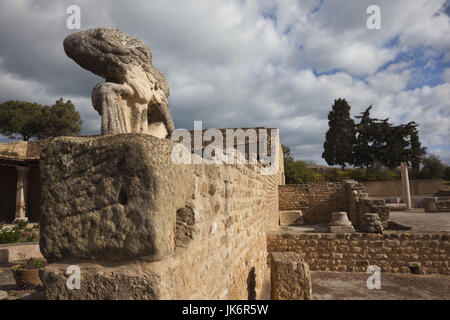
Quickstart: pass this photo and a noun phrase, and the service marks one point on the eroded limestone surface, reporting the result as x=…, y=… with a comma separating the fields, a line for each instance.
x=111, y=198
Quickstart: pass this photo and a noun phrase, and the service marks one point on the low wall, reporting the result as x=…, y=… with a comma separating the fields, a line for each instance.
x=316, y=200
x=393, y=252
x=434, y=204
x=213, y=222
x=394, y=188
x=19, y=251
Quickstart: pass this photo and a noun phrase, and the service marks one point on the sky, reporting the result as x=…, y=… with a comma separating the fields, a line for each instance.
x=236, y=63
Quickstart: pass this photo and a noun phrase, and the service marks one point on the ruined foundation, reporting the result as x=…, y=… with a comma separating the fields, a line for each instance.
x=141, y=227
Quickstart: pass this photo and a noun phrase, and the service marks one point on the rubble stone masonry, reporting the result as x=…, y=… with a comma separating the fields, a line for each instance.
x=404, y=252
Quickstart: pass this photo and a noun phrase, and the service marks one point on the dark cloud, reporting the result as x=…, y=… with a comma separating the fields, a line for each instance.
x=230, y=64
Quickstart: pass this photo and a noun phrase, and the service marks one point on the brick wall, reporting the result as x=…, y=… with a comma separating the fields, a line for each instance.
x=392, y=252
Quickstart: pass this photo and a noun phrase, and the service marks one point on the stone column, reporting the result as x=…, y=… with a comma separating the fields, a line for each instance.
x=405, y=184
x=21, y=195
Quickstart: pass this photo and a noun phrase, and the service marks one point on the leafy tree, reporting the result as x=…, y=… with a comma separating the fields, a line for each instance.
x=287, y=156
x=378, y=141
x=446, y=175
x=298, y=172
x=20, y=118
x=363, y=150
x=432, y=167
x=61, y=119
x=340, y=136
x=34, y=120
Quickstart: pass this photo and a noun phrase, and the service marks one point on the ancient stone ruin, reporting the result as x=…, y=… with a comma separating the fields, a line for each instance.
x=140, y=226
x=134, y=97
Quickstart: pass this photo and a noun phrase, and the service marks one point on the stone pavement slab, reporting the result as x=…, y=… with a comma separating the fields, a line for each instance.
x=7, y=281
x=353, y=286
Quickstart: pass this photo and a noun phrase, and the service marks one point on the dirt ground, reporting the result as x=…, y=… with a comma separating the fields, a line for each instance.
x=353, y=286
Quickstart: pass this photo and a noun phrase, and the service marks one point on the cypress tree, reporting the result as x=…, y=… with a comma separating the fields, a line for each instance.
x=340, y=136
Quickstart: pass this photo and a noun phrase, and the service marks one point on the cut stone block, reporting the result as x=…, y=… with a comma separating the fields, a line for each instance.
x=289, y=218
x=396, y=206
x=3, y=295
x=111, y=198
x=290, y=277
x=341, y=229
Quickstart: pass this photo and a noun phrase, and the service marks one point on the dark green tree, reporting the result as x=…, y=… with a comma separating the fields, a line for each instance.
x=433, y=168
x=60, y=119
x=29, y=120
x=379, y=142
x=340, y=137
x=20, y=118
x=446, y=175
x=363, y=147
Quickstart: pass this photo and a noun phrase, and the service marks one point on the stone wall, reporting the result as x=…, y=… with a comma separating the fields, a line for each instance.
x=318, y=200
x=219, y=215
x=394, y=188
x=14, y=252
x=290, y=277
x=315, y=200
x=435, y=204
x=392, y=252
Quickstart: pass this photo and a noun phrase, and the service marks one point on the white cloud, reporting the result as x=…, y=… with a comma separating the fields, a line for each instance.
x=446, y=75
x=230, y=64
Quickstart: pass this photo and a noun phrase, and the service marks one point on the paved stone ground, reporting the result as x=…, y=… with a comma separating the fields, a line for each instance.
x=352, y=286
x=422, y=221
x=7, y=281
x=8, y=284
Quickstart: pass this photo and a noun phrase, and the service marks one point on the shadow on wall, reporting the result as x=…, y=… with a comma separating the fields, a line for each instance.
x=4, y=256
x=251, y=284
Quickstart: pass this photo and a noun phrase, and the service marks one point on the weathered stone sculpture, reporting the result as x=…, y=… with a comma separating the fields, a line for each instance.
x=134, y=97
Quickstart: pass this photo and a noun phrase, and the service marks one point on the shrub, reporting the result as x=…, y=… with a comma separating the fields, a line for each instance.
x=9, y=236
x=21, y=224
x=33, y=263
x=298, y=172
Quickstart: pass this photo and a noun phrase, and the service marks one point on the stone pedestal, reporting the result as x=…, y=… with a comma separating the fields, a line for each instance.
x=21, y=194
x=291, y=218
x=339, y=223
x=372, y=223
